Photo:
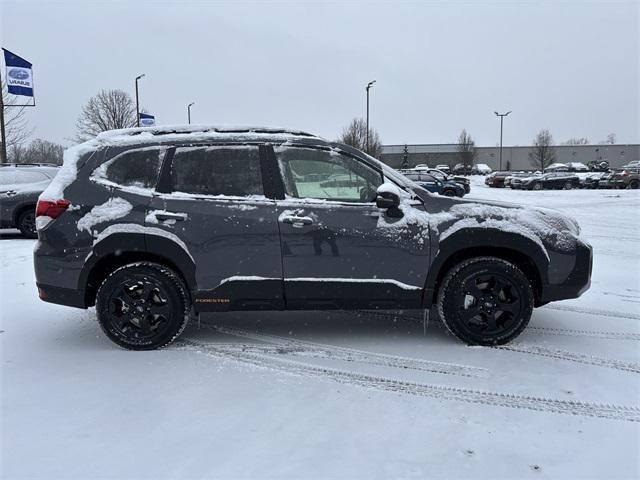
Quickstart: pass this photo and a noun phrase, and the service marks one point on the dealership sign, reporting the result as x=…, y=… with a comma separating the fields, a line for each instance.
x=19, y=74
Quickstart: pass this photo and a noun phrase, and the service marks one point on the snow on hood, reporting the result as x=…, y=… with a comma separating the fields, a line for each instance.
x=542, y=226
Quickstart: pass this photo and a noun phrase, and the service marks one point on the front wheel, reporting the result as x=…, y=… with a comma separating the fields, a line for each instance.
x=568, y=186
x=485, y=301
x=449, y=193
x=143, y=306
x=537, y=186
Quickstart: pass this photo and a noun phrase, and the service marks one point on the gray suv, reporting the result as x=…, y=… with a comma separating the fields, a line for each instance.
x=20, y=186
x=156, y=225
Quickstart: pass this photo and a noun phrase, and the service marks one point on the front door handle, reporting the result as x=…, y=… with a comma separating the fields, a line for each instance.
x=297, y=222
x=179, y=217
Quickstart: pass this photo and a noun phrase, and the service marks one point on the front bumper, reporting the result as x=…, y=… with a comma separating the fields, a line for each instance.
x=576, y=283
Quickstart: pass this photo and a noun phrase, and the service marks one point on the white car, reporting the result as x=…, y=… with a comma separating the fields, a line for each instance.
x=443, y=168
x=481, y=169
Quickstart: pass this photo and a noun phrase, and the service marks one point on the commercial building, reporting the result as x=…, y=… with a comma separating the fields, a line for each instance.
x=513, y=158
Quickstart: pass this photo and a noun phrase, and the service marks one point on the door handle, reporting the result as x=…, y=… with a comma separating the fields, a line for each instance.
x=10, y=193
x=179, y=217
x=296, y=221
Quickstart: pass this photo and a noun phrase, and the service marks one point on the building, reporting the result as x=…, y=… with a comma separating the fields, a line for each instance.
x=513, y=158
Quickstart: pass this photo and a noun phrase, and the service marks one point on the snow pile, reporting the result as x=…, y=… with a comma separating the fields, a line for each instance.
x=112, y=209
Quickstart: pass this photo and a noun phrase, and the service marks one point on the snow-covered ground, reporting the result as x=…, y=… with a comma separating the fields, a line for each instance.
x=326, y=395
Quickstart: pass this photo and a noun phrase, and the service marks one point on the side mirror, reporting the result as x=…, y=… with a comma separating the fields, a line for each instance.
x=388, y=196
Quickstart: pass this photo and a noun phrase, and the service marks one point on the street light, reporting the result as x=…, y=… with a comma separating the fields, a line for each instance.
x=369, y=85
x=137, y=101
x=189, y=112
x=501, y=115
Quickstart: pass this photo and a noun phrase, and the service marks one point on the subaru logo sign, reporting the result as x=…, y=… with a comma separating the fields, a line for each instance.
x=18, y=74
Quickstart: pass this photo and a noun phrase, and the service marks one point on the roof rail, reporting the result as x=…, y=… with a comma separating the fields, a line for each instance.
x=188, y=129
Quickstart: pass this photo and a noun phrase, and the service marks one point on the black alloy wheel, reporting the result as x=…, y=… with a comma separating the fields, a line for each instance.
x=486, y=301
x=142, y=306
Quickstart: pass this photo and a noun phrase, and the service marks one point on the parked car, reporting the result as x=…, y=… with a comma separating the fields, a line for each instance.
x=444, y=177
x=557, y=167
x=516, y=182
x=20, y=186
x=496, y=179
x=481, y=169
x=598, y=166
x=577, y=167
x=552, y=181
x=621, y=178
x=443, y=168
x=513, y=175
x=154, y=229
x=460, y=169
x=448, y=188
x=590, y=180
x=634, y=164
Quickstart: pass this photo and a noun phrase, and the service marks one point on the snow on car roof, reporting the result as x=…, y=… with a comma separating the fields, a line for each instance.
x=196, y=133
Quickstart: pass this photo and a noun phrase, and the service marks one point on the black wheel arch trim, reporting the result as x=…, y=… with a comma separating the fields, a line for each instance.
x=121, y=248
x=470, y=242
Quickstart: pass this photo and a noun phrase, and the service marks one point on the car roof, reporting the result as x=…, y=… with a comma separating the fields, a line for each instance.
x=198, y=133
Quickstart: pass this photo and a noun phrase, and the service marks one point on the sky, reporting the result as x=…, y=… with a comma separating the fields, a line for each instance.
x=440, y=66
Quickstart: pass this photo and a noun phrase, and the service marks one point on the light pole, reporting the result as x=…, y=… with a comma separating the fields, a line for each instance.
x=501, y=115
x=189, y=112
x=137, y=101
x=369, y=85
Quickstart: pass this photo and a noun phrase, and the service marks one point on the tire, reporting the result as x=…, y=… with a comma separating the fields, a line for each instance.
x=567, y=186
x=27, y=223
x=537, y=186
x=471, y=297
x=634, y=184
x=143, y=306
x=449, y=193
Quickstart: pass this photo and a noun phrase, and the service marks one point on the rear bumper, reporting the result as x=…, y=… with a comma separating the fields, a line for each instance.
x=61, y=296
x=577, y=282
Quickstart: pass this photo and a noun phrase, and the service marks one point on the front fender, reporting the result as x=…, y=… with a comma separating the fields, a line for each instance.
x=483, y=241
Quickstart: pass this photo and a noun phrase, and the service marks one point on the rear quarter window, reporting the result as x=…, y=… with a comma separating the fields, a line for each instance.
x=135, y=168
x=15, y=176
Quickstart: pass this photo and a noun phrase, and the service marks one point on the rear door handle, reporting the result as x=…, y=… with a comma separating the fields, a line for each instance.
x=11, y=193
x=296, y=221
x=179, y=217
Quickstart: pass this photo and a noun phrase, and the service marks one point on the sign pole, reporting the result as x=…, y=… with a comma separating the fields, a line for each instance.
x=3, y=148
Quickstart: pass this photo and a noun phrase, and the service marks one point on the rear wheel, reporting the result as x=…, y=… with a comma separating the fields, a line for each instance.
x=634, y=184
x=485, y=301
x=27, y=223
x=537, y=186
x=143, y=306
x=568, y=186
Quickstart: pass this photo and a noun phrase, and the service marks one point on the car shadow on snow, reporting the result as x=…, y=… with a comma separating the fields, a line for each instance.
x=11, y=234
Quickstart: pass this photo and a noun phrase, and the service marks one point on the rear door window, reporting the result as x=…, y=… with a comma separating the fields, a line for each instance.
x=16, y=176
x=232, y=170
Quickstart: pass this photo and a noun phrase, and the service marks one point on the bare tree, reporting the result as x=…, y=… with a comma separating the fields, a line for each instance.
x=611, y=138
x=543, y=153
x=108, y=110
x=355, y=134
x=466, y=149
x=577, y=141
x=16, y=126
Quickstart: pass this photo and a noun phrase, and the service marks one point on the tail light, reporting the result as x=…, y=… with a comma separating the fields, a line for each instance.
x=624, y=173
x=49, y=210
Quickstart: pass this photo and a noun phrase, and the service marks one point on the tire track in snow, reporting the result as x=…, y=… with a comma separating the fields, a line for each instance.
x=530, y=329
x=583, y=333
x=572, y=357
x=438, y=392
x=291, y=346
x=593, y=311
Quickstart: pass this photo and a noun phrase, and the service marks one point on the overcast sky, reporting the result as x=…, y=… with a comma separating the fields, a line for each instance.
x=440, y=66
